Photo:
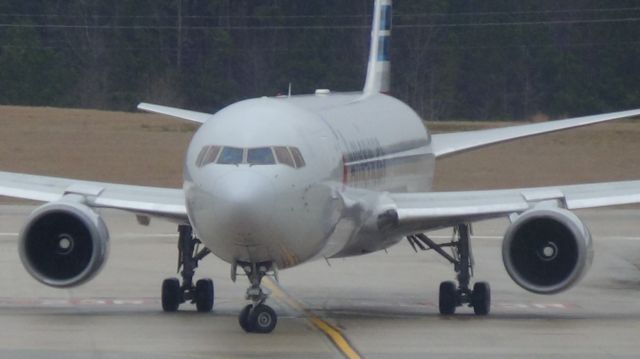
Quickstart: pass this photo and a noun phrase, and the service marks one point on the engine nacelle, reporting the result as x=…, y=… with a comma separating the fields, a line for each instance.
x=547, y=250
x=64, y=244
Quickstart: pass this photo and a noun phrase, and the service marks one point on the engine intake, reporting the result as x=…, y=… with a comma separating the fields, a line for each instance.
x=547, y=250
x=64, y=244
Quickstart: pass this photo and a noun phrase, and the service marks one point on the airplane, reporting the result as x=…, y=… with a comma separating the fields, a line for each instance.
x=274, y=182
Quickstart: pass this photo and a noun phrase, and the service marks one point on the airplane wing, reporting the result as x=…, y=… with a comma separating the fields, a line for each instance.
x=193, y=116
x=149, y=201
x=450, y=143
x=414, y=212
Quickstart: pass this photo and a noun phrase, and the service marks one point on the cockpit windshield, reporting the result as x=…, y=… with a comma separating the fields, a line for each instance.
x=289, y=156
x=230, y=156
x=260, y=156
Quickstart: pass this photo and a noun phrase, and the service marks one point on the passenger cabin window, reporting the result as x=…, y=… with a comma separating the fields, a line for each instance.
x=284, y=156
x=297, y=157
x=260, y=156
x=231, y=156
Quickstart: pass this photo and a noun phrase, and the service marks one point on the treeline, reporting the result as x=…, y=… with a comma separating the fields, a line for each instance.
x=464, y=59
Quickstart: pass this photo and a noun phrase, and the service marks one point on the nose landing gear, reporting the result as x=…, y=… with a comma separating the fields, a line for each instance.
x=257, y=317
x=202, y=293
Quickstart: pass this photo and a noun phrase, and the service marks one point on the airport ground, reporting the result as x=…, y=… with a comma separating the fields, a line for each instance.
x=384, y=304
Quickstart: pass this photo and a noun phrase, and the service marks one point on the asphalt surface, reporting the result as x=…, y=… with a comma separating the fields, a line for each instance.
x=384, y=305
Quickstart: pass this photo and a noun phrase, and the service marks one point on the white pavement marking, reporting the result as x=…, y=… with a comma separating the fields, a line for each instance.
x=619, y=238
x=76, y=302
x=15, y=302
x=171, y=235
x=134, y=235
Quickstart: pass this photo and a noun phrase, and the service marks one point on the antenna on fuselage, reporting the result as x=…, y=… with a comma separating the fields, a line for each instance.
x=289, y=93
x=379, y=67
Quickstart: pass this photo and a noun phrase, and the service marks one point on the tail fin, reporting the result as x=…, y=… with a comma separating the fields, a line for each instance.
x=379, y=68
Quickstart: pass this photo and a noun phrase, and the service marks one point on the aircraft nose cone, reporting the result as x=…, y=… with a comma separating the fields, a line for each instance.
x=242, y=205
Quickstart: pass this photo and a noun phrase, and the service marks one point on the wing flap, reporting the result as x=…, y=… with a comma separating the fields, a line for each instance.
x=450, y=143
x=432, y=210
x=602, y=195
x=152, y=201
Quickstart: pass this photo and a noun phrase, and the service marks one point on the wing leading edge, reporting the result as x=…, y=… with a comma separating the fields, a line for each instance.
x=151, y=201
x=450, y=143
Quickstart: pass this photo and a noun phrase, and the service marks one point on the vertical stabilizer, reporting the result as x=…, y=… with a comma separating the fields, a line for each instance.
x=379, y=68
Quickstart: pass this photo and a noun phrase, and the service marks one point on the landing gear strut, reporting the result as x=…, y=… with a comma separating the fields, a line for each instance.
x=201, y=294
x=257, y=317
x=452, y=296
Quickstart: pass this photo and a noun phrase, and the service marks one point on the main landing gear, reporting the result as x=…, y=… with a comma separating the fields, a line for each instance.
x=452, y=296
x=173, y=293
x=257, y=317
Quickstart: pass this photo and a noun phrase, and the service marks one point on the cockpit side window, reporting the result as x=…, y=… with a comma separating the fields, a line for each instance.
x=260, y=156
x=297, y=157
x=207, y=155
x=211, y=155
x=201, y=155
x=284, y=156
x=231, y=156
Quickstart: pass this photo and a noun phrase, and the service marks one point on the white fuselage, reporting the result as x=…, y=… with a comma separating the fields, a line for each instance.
x=285, y=214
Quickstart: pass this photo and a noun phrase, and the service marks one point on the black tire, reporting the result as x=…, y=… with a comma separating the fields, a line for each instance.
x=481, y=298
x=263, y=319
x=204, y=295
x=243, y=318
x=447, y=298
x=171, y=295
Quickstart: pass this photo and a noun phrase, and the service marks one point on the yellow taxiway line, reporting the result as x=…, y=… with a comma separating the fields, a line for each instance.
x=334, y=334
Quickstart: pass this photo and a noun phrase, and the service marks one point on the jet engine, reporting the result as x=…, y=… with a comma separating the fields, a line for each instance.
x=64, y=244
x=547, y=250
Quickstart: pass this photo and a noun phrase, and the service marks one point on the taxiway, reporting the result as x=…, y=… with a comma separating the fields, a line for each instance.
x=383, y=305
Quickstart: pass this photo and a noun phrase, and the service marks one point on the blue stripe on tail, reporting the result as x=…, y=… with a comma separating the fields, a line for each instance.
x=385, y=18
x=384, y=48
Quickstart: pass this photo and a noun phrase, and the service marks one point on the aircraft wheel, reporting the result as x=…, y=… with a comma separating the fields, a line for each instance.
x=171, y=294
x=481, y=298
x=262, y=319
x=204, y=295
x=447, y=298
x=243, y=318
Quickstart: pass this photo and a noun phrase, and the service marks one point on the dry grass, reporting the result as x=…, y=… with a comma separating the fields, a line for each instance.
x=604, y=152
x=95, y=145
x=148, y=150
